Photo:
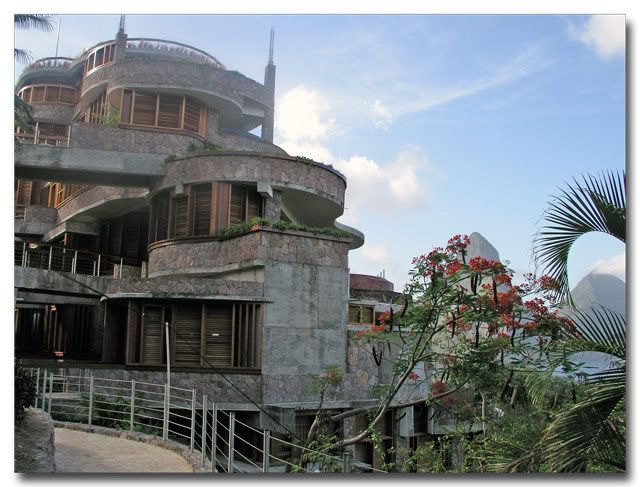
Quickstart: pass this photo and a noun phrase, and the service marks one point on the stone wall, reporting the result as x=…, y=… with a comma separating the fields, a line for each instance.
x=201, y=255
x=187, y=75
x=97, y=195
x=246, y=167
x=126, y=138
x=52, y=112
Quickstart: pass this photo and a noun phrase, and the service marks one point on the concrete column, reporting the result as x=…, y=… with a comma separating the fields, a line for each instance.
x=273, y=206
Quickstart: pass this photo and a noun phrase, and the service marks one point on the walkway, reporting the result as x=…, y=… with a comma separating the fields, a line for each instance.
x=77, y=451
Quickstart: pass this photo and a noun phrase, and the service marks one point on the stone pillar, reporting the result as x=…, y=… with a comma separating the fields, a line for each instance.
x=402, y=431
x=273, y=206
x=213, y=124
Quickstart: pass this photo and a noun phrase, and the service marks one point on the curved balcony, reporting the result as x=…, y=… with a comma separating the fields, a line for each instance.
x=51, y=69
x=303, y=182
x=245, y=252
x=236, y=98
x=165, y=48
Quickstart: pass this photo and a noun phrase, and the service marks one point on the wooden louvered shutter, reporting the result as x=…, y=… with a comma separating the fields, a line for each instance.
x=169, y=111
x=53, y=94
x=367, y=314
x=191, y=115
x=144, y=112
x=253, y=204
x=67, y=95
x=186, y=339
x=37, y=94
x=247, y=335
x=236, y=205
x=180, y=216
x=201, y=208
x=153, y=339
x=131, y=239
x=217, y=332
x=220, y=211
x=23, y=193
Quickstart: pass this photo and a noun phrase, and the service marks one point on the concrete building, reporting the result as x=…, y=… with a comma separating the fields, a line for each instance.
x=143, y=197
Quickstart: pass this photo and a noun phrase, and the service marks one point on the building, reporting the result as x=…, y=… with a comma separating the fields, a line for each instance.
x=145, y=205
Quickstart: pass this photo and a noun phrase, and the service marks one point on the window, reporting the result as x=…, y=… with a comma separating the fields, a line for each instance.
x=222, y=334
x=101, y=56
x=361, y=314
x=202, y=210
x=163, y=110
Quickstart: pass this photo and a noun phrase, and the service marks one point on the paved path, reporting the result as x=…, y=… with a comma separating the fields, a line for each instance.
x=77, y=451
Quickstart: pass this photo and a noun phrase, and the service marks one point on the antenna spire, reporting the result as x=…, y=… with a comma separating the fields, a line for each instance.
x=271, y=46
x=121, y=28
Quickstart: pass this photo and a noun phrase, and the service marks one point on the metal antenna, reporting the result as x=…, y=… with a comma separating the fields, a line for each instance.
x=271, y=47
x=121, y=29
x=58, y=41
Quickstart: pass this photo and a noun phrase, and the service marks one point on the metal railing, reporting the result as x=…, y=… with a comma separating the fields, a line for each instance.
x=181, y=415
x=63, y=259
x=52, y=62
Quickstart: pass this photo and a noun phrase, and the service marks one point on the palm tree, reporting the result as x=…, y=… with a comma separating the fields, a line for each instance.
x=30, y=21
x=21, y=110
x=593, y=429
x=591, y=205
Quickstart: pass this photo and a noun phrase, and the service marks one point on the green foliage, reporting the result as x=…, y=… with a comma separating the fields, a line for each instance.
x=24, y=390
x=284, y=225
x=171, y=158
x=206, y=147
x=112, y=117
x=240, y=228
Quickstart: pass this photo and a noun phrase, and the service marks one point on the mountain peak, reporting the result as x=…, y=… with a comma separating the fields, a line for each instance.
x=481, y=247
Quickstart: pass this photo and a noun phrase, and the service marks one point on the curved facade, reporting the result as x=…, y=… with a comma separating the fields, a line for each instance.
x=153, y=203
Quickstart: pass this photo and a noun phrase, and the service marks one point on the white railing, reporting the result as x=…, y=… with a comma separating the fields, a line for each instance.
x=180, y=415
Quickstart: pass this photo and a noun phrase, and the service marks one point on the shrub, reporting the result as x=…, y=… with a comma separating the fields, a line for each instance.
x=24, y=390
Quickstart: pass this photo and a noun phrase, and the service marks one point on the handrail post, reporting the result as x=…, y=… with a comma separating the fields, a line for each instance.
x=50, y=391
x=266, y=450
x=44, y=389
x=120, y=269
x=93, y=272
x=346, y=462
x=50, y=257
x=74, y=262
x=232, y=433
x=203, y=432
x=214, y=437
x=193, y=419
x=37, y=386
x=165, y=415
x=24, y=254
x=133, y=404
x=90, y=418
x=98, y=274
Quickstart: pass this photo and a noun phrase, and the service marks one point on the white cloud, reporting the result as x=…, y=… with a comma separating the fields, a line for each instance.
x=603, y=33
x=302, y=122
x=613, y=265
x=382, y=115
x=378, y=254
x=304, y=127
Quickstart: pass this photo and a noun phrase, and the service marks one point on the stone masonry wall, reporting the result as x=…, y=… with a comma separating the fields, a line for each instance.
x=284, y=171
x=96, y=195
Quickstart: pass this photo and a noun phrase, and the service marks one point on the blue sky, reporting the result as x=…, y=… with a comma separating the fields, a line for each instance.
x=442, y=124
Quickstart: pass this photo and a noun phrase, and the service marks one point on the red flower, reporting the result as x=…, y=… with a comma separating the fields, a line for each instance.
x=548, y=283
x=453, y=267
x=536, y=306
x=480, y=264
x=413, y=376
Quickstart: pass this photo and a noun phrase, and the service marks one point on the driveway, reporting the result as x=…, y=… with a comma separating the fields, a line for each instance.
x=77, y=451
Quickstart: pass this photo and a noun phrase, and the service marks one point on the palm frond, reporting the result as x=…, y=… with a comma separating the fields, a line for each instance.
x=592, y=430
x=594, y=204
x=22, y=56
x=33, y=21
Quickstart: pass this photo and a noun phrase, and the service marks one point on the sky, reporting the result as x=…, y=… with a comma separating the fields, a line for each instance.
x=442, y=124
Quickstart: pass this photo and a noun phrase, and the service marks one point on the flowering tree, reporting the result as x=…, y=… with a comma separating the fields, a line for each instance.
x=464, y=331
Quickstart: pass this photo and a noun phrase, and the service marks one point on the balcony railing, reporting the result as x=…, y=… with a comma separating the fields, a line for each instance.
x=57, y=258
x=56, y=140
x=52, y=62
x=176, y=48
